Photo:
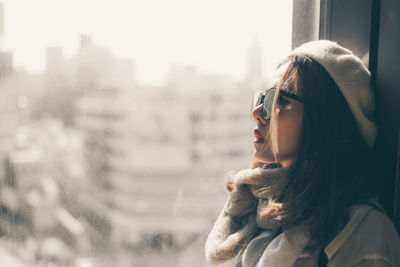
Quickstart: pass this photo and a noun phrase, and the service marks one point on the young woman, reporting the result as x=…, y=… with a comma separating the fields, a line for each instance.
x=310, y=196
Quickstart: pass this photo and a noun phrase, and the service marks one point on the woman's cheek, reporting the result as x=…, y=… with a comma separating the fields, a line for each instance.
x=289, y=129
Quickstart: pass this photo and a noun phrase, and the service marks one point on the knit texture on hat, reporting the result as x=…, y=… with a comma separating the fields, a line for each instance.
x=352, y=78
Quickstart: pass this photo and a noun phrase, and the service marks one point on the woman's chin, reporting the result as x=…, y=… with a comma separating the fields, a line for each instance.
x=263, y=158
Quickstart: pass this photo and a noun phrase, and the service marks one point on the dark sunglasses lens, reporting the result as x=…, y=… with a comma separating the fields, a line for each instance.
x=268, y=102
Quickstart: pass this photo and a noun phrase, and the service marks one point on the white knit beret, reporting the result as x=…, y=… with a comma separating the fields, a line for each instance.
x=352, y=78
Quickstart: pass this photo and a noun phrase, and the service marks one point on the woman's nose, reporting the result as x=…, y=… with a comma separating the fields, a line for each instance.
x=257, y=115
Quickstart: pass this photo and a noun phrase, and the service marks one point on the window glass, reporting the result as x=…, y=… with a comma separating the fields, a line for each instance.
x=119, y=121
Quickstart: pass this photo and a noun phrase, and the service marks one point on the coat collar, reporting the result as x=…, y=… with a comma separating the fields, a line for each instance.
x=357, y=214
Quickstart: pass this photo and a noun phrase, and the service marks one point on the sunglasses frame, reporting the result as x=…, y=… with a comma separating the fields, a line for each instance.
x=266, y=111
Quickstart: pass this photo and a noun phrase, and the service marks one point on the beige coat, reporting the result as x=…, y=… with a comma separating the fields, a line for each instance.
x=368, y=239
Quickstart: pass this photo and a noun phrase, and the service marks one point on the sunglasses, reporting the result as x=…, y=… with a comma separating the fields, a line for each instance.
x=267, y=99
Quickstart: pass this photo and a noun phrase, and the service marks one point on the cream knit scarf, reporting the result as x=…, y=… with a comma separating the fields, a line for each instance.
x=249, y=209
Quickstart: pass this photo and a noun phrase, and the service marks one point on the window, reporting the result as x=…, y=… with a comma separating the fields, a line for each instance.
x=119, y=121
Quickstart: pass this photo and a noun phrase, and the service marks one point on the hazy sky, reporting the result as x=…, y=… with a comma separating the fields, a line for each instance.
x=213, y=35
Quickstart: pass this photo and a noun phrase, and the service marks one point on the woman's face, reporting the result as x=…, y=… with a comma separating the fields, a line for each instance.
x=288, y=121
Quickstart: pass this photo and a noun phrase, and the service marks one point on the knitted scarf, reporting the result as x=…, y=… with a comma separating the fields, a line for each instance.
x=250, y=208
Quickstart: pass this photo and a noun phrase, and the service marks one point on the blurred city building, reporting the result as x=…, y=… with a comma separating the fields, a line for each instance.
x=6, y=57
x=34, y=216
x=99, y=169
x=6, y=66
x=155, y=153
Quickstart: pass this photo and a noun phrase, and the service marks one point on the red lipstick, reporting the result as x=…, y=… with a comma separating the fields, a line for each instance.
x=259, y=138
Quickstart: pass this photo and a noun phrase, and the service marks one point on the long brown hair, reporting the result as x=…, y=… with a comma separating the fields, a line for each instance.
x=333, y=168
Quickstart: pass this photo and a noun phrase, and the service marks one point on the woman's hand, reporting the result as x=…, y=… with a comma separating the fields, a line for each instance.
x=241, y=200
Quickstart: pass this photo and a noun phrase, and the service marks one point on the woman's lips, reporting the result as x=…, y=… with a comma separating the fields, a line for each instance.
x=259, y=138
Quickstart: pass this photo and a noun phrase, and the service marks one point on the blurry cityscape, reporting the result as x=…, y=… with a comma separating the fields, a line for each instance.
x=100, y=170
